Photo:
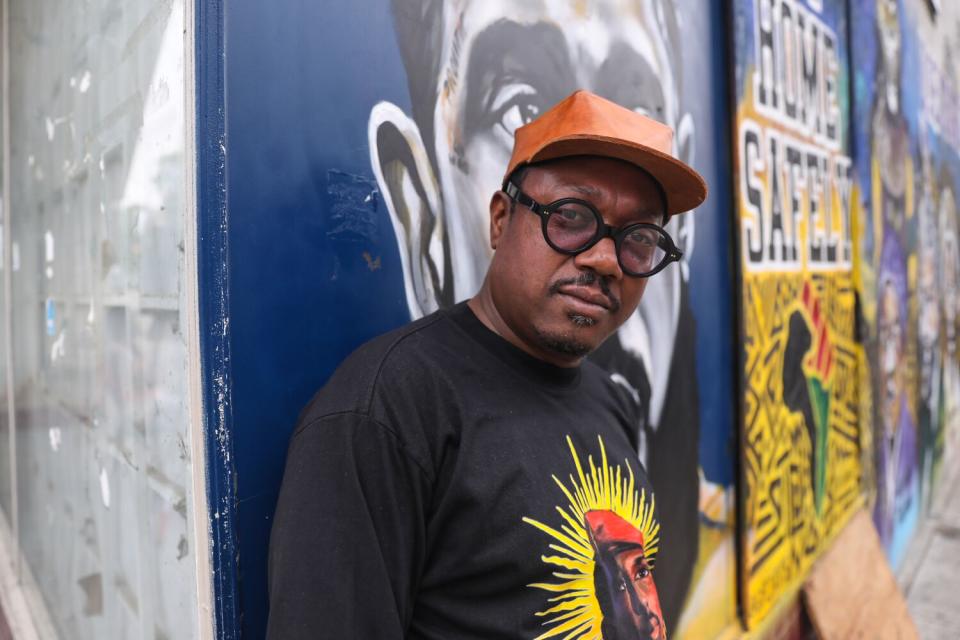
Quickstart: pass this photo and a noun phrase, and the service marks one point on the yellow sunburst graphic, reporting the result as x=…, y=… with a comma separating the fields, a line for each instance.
x=574, y=612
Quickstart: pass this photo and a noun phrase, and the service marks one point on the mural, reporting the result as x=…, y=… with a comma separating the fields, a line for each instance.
x=908, y=134
x=474, y=76
x=369, y=210
x=801, y=468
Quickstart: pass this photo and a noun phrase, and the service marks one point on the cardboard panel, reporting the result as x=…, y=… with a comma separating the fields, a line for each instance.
x=851, y=591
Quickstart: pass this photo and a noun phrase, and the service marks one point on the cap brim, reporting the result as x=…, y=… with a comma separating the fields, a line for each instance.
x=685, y=189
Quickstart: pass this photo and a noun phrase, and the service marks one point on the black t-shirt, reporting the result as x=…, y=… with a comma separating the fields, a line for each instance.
x=445, y=484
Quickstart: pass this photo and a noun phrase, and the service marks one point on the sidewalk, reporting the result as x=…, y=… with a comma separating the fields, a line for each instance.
x=930, y=576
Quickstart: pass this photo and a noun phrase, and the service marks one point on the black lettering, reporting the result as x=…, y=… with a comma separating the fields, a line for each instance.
x=789, y=58
x=795, y=179
x=776, y=249
x=766, y=55
x=830, y=75
x=811, y=99
x=751, y=153
x=815, y=184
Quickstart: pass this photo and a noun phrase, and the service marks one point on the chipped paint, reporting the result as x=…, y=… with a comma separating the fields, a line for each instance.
x=50, y=314
x=48, y=253
x=56, y=437
x=353, y=212
x=57, y=349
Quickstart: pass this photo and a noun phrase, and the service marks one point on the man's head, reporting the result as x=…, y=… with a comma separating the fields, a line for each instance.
x=571, y=264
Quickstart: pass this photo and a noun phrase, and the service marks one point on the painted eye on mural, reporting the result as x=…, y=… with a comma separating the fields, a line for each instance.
x=514, y=106
x=642, y=573
x=653, y=111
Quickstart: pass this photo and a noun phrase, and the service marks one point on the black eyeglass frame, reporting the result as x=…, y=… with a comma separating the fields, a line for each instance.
x=604, y=230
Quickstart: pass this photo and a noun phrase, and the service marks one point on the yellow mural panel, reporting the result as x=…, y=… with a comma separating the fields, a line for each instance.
x=801, y=440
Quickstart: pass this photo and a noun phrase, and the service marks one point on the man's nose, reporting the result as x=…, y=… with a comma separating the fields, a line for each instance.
x=601, y=258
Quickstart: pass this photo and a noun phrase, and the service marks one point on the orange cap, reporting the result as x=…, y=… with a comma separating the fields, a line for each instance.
x=585, y=124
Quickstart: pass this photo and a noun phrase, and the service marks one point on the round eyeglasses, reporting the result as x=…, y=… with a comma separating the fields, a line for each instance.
x=572, y=226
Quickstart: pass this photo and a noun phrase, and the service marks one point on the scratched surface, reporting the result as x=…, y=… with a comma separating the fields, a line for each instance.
x=97, y=160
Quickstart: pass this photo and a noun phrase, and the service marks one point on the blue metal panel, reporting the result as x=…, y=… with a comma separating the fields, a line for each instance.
x=214, y=293
x=313, y=268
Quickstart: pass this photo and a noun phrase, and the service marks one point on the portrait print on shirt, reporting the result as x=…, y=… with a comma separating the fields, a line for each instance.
x=602, y=546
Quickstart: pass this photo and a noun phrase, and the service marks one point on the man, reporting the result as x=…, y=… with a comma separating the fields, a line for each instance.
x=469, y=475
x=476, y=71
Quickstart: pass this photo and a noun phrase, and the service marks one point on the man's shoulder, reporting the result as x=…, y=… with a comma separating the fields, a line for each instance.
x=392, y=363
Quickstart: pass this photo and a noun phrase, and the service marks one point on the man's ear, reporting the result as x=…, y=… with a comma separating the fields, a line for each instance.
x=500, y=205
x=406, y=179
x=682, y=227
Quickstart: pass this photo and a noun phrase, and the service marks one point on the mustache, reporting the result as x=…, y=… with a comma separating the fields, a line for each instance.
x=588, y=278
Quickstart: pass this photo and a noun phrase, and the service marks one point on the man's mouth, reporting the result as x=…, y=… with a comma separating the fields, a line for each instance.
x=587, y=296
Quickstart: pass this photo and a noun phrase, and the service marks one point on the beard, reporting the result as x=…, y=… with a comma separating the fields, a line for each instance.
x=565, y=343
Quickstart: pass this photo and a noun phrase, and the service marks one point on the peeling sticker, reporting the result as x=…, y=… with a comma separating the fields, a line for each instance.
x=57, y=350
x=48, y=253
x=51, y=316
x=48, y=246
x=51, y=128
x=84, y=82
x=56, y=437
x=92, y=586
x=105, y=487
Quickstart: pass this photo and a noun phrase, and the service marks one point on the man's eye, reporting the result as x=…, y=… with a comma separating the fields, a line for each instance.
x=642, y=573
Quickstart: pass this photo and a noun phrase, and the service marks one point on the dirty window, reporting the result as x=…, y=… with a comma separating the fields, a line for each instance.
x=100, y=315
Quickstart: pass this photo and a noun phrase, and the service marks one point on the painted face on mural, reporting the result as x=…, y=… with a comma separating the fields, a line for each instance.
x=477, y=71
x=928, y=294
x=888, y=26
x=949, y=264
x=890, y=339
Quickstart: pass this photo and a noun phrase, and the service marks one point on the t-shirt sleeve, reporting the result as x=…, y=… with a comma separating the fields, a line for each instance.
x=348, y=537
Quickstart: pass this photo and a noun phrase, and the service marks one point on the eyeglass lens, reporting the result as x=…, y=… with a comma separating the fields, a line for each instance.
x=572, y=226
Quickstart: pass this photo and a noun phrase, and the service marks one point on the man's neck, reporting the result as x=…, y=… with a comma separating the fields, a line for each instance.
x=486, y=311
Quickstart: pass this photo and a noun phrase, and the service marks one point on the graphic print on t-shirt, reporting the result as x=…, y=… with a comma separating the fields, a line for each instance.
x=603, y=546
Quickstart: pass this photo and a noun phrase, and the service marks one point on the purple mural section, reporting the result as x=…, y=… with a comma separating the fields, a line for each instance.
x=907, y=159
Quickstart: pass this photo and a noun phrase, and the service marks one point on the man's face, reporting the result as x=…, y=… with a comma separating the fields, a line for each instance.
x=502, y=73
x=563, y=306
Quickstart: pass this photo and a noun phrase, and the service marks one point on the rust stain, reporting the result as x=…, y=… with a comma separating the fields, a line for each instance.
x=372, y=263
